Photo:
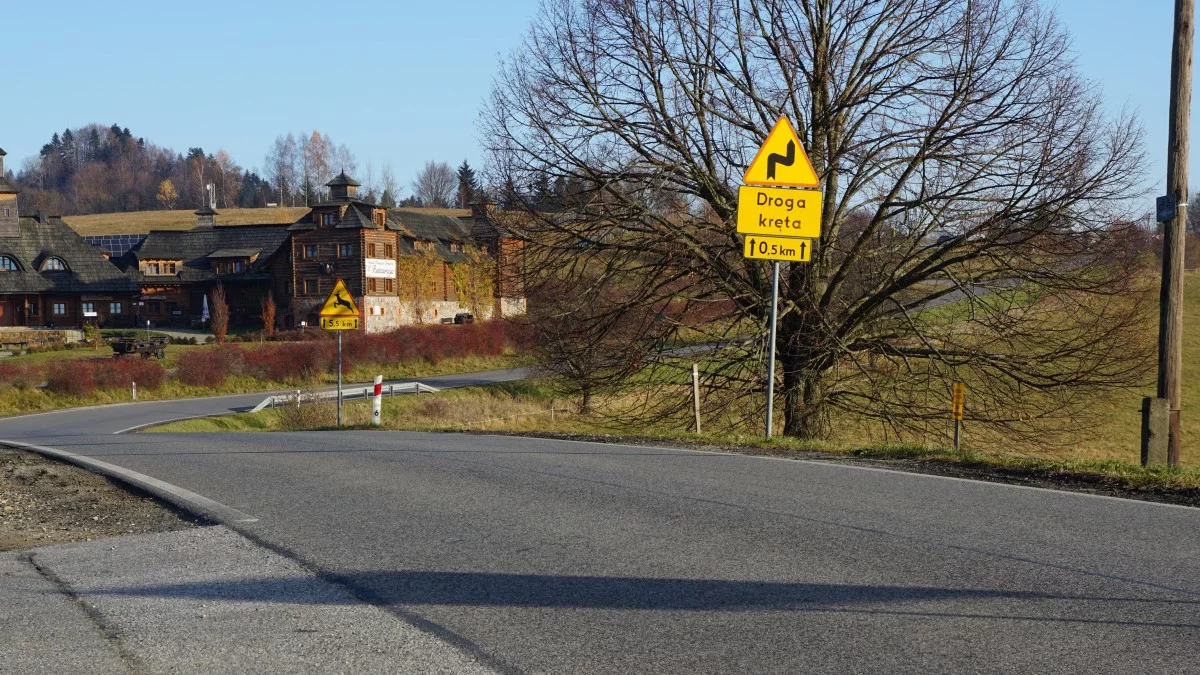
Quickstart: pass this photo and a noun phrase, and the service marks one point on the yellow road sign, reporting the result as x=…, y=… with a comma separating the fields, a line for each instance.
x=340, y=302
x=339, y=322
x=956, y=403
x=781, y=160
x=779, y=212
x=777, y=248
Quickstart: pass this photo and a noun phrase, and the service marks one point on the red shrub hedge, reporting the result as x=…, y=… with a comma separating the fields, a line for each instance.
x=70, y=377
x=14, y=375
x=304, y=360
x=121, y=373
x=209, y=367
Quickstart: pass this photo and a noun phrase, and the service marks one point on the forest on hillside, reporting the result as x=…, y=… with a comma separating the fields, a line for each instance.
x=106, y=169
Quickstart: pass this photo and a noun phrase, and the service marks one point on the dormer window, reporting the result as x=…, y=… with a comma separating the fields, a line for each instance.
x=380, y=218
x=7, y=264
x=326, y=218
x=160, y=268
x=54, y=264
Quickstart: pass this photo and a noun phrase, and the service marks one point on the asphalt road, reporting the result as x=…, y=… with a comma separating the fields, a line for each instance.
x=552, y=556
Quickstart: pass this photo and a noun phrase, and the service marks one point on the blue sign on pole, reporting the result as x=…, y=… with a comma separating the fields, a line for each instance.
x=1165, y=206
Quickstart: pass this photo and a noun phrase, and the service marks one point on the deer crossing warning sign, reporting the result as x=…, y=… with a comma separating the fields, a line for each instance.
x=339, y=311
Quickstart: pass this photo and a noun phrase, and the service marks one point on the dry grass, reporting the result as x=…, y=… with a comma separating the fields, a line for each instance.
x=140, y=222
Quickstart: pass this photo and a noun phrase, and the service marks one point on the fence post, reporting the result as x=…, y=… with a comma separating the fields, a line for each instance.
x=297, y=399
x=135, y=391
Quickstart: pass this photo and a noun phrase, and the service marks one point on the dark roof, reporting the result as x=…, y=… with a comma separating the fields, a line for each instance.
x=429, y=227
x=87, y=270
x=341, y=180
x=207, y=210
x=7, y=187
x=2, y=152
x=356, y=220
x=195, y=247
x=235, y=253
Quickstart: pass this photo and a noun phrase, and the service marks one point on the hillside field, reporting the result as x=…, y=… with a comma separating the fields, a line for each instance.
x=141, y=222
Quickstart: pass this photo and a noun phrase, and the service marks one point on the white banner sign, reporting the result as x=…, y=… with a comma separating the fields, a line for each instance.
x=380, y=268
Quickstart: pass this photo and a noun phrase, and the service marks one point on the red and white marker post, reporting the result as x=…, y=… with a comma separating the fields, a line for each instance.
x=377, y=402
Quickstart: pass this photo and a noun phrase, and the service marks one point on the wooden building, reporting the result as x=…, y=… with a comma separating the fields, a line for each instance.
x=51, y=277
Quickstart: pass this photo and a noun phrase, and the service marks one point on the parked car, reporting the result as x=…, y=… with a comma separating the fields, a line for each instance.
x=464, y=317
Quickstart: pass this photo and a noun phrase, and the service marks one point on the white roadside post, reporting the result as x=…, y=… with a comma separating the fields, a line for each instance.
x=377, y=402
x=135, y=391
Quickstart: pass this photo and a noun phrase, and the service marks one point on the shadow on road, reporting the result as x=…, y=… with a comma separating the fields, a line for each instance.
x=486, y=589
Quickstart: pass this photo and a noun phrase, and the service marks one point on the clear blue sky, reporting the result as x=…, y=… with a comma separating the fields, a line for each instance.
x=395, y=81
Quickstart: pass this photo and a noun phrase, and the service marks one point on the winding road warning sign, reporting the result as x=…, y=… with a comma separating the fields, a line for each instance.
x=781, y=161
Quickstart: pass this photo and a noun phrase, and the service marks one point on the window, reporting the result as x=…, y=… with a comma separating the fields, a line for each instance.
x=54, y=264
x=114, y=308
x=85, y=307
x=390, y=286
x=310, y=286
x=236, y=267
x=387, y=250
x=455, y=247
x=380, y=218
x=160, y=268
x=371, y=285
x=326, y=218
x=7, y=213
x=60, y=308
x=7, y=264
x=169, y=268
x=155, y=307
x=153, y=268
x=345, y=250
x=310, y=250
x=370, y=250
x=34, y=309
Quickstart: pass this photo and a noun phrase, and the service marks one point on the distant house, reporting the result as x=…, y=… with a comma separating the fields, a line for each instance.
x=49, y=276
x=175, y=269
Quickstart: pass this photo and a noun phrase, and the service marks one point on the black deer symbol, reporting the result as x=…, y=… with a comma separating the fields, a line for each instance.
x=339, y=301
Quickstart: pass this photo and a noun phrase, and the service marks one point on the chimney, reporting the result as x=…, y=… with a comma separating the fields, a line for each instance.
x=206, y=218
x=9, y=213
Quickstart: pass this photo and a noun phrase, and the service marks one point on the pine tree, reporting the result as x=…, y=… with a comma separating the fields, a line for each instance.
x=468, y=185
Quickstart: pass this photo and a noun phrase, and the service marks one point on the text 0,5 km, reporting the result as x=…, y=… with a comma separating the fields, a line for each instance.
x=778, y=248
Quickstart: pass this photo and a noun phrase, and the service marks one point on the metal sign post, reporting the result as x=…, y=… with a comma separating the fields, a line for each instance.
x=782, y=224
x=339, y=396
x=771, y=347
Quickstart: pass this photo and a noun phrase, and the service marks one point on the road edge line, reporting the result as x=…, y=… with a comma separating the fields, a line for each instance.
x=182, y=498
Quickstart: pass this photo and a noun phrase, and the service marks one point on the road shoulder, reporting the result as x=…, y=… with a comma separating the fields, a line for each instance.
x=209, y=600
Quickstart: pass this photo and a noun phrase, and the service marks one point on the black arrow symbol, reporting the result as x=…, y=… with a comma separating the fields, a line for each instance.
x=752, y=245
x=776, y=158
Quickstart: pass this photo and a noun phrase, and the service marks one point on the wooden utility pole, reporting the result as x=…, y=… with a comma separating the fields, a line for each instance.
x=1170, y=331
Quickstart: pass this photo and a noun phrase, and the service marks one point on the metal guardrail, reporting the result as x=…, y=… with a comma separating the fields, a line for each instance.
x=354, y=392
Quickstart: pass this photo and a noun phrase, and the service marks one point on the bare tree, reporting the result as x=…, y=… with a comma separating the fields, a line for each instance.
x=387, y=185
x=436, y=185
x=963, y=163
x=220, y=314
x=281, y=166
x=228, y=176
x=268, y=315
